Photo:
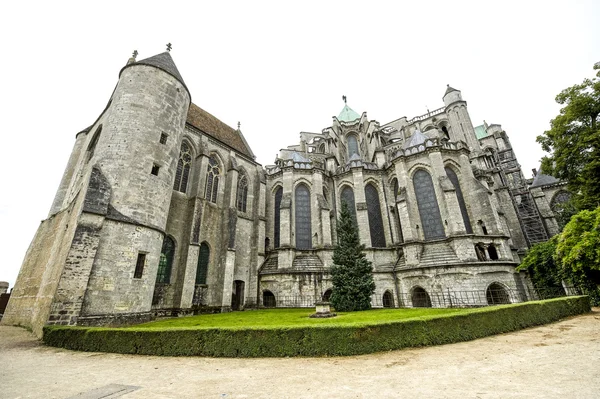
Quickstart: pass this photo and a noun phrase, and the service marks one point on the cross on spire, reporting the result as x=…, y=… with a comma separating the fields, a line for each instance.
x=135, y=53
x=169, y=46
x=345, y=99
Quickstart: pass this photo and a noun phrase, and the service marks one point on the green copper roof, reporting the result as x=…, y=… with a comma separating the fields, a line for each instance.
x=480, y=132
x=348, y=114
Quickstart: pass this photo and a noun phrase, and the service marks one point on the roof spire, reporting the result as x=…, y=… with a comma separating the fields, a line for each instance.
x=169, y=46
x=345, y=99
x=239, y=125
x=134, y=55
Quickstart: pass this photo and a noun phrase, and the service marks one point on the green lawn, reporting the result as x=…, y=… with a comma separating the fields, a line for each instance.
x=273, y=318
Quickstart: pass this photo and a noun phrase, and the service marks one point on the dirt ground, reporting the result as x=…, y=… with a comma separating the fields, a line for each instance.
x=561, y=360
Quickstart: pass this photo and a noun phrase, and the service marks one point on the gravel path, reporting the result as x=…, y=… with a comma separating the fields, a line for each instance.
x=561, y=360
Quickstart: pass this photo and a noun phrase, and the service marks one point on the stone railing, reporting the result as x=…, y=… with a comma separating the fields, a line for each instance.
x=427, y=115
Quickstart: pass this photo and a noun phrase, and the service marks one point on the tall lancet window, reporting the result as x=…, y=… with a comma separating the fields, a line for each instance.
x=183, y=168
x=347, y=196
x=375, y=220
x=461, y=201
x=302, y=209
x=165, y=264
x=212, y=179
x=352, y=145
x=429, y=210
x=242, y=193
x=277, y=217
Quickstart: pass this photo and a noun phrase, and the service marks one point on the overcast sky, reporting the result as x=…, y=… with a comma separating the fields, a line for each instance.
x=279, y=69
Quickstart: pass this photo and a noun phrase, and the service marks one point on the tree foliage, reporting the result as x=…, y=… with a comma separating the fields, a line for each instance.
x=578, y=249
x=351, y=272
x=574, y=142
x=540, y=262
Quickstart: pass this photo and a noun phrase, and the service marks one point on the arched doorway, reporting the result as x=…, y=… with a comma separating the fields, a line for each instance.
x=268, y=299
x=388, y=300
x=326, y=295
x=496, y=294
x=420, y=298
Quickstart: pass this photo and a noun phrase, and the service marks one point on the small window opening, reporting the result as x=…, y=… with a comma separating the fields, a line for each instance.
x=163, y=138
x=493, y=253
x=269, y=299
x=139, y=266
x=155, y=169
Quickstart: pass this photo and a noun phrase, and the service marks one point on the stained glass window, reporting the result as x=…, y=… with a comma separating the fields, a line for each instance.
x=302, y=209
x=374, y=213
x=352, y=145
x=461, y=201
x=203, y=258
x=431, y=220
x=277, y=216
x=559, y=200
x=242, y=193
x=347, y=196
x=165, y=263
x=212, y=179
x=183, y=168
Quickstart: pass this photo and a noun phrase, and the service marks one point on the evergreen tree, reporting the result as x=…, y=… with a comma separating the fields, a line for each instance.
x=351, y=272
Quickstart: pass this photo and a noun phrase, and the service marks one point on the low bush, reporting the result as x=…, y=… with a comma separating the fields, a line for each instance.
x=316, y=340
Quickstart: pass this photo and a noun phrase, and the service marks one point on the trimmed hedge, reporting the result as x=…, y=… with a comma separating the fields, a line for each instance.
x=331, y=340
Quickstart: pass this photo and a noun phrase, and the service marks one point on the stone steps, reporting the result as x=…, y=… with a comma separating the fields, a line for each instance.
x=437, y=254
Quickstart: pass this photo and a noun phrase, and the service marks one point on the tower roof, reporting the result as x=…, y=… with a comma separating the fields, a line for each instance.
x=162, y=61
x=348, y=114
x=449, y=90
x=541, y=179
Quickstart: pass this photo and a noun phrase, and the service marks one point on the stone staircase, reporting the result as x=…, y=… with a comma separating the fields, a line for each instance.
x=435, y=254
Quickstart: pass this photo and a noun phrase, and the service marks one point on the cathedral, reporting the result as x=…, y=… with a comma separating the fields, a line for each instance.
x=163, y=210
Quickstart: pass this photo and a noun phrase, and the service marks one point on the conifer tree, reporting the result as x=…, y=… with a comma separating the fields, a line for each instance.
x=351, y=272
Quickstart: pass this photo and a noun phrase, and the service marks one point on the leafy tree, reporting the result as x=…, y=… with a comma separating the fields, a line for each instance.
x=574, y=142
x=578, y=248
x=540, y=262
x=351, y=272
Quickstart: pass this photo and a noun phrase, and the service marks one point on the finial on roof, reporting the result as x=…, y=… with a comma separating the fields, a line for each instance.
x=134, y=55
x=345, y=99
x=169, y=46
x=239, y=125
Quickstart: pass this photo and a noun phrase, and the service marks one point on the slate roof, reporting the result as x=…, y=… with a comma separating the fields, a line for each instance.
x=449, y=90
x=541, y=179
x=416, y=139
x=202, y=120
x=165, y=62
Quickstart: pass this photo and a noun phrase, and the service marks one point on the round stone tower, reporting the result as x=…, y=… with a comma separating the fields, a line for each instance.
x=140, y=138
x=460, y=121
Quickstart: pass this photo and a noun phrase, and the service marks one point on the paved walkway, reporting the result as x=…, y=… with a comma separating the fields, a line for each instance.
x=561, y=360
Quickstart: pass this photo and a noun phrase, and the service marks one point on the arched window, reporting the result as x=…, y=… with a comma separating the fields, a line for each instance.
x=395, y=188
x=461, y=201
x=302, y=209
x=165, y=263
x=183, y=168
x=497, y=295
x=420, y=298
x=388, y=300
x=277, y=216
x=347, y=195
x=446, y=134
x=429, y=211
x=352, y=145
x=212, y=179
x=493, y=252
x=268, y=299
x=202, y=269
x=326, y=295
x=374, y=213
x=558, y=201
x=242, y=193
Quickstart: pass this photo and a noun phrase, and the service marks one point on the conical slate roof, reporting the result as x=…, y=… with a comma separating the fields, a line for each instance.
x=348, y=114
x=449, y=90
x=165, y=62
